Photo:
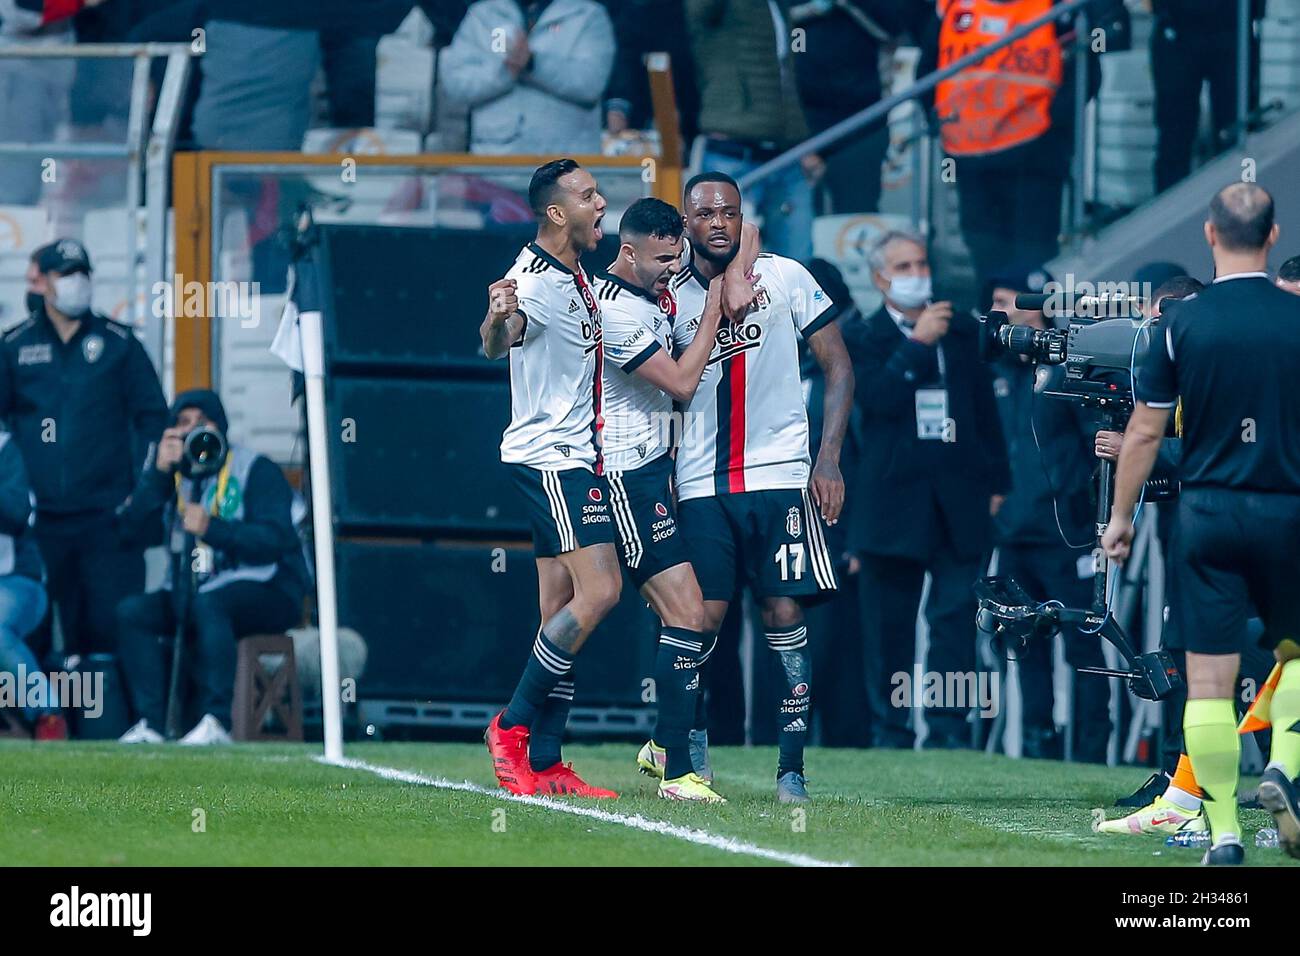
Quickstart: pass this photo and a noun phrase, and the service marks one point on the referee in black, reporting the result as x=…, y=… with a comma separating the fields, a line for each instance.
x=83, y=402
x=1231, y=354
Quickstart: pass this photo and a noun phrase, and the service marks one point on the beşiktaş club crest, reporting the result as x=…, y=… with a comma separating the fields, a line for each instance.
x=793, y=524
x=92, y=347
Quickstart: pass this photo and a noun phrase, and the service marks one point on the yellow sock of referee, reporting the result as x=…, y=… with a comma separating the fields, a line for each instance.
x=1210, y=733
x=1285, y=712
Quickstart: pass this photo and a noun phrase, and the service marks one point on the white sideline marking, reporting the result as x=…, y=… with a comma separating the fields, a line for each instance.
x=637, y=822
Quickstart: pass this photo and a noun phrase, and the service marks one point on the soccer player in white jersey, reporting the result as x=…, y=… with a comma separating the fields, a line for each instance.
x=643, y=377
x=751, y=501
x=544, y=315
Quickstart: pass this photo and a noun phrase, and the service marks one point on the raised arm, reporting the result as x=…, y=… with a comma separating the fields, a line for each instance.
x=738, y=293
x=681, y=377
x=504, y=322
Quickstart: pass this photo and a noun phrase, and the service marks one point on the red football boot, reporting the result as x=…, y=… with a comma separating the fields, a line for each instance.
x=561, y=781
x=509, y=750
x=51, y=727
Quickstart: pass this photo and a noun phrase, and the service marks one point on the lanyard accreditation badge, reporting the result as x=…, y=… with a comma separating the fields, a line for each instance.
x=932, y=406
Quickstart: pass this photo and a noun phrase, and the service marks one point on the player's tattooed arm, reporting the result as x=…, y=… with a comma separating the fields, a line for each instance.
x=681, y=377
x=504, y=322
x=738, y=292
x=827, y=485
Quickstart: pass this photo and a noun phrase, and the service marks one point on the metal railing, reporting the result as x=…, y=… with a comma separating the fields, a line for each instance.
x=146, y=150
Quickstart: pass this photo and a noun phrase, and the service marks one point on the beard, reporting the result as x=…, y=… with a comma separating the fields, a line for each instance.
x=719, y=258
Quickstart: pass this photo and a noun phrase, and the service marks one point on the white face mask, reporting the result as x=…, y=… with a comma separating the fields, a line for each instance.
x=911, y=292
x=72, y=294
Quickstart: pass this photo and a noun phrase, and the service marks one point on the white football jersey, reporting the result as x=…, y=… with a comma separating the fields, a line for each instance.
x=555, y=367
x=638, y=414
x=746, y=429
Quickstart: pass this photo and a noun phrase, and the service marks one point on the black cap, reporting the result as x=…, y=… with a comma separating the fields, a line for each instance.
x=62, y=256
x=205, y=401
x=1019, y=277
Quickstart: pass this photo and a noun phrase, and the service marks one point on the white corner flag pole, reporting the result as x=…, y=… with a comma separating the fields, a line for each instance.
x=322, y=512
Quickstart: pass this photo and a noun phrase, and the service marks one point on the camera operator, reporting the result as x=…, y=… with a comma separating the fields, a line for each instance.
x=1231, y=356
x=1044, y=530
x=83, y=402
x=1175, y=783
x=250, y=574
x=932, y=473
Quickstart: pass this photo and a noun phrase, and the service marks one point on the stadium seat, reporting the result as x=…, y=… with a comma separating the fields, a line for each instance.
x=261, y=691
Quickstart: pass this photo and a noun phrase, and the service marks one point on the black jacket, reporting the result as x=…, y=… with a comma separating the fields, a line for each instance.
x=83, y=413
x=1050, y=447
x=839, y=70
x=651, y=26
x=903, y=480
x=266, y=534
x=16, y=511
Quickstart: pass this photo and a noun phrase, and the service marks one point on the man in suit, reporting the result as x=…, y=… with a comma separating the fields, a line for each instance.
x=932, y=474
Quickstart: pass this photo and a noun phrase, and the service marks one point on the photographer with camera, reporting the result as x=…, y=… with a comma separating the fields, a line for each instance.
x=933, y=472
x=83, y=403
x=248, y=571
x=1044, y=529
x=1230, y=356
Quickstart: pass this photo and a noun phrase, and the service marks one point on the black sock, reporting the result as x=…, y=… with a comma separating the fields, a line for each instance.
x=547, y=731
x=791, y=646
x=547, y=666
x=677, y=680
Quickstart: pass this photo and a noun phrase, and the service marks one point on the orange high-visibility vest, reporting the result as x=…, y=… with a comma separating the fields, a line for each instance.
x=1006, y=100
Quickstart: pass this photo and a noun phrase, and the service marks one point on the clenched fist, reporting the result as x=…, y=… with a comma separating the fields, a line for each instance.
x=502, y=301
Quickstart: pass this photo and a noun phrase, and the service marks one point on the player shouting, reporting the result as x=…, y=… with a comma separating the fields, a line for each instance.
x=544, y=314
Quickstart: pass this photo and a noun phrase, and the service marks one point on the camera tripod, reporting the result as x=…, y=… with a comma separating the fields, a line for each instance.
x=1009, y=614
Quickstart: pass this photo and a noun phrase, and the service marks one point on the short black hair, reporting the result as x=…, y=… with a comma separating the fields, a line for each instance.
x=1242, y=215
x=544, y=184
x=1290, y=271
x=1179, y=287
x=709, y=176
x=651, y=217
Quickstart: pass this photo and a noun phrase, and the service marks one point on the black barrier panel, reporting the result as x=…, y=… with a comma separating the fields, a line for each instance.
x=421, y=457
x=456, y=624
x=411, y=299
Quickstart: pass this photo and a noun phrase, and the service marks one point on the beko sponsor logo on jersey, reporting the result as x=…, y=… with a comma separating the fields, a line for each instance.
x=590, y=335
x=734, y=339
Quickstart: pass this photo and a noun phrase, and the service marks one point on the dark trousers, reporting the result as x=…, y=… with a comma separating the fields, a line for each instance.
x=147, y=626
x=854, y=171
x=1050, y=572
x=349, y=64
x=890, y=592
x=1010, y=215
x=88, y=572
x=1179, y=66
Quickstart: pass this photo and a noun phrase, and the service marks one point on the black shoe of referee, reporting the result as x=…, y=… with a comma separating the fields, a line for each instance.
x=1278, y=795
x=1145, y=794
x=1228, y=853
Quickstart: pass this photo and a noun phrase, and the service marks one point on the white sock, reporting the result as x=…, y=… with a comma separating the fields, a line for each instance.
x=1182, y=799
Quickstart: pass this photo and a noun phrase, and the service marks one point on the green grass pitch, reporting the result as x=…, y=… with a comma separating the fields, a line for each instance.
x=91, y=804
